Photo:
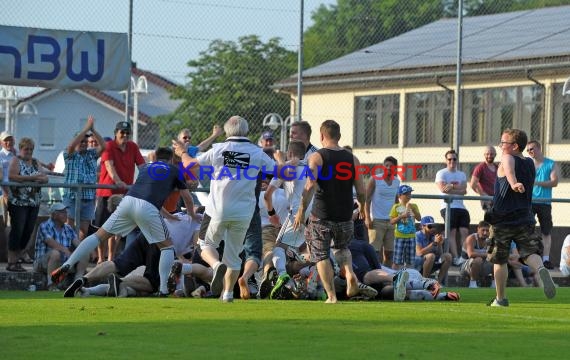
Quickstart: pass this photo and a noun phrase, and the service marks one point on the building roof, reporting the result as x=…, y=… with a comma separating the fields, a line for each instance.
x=507, y=37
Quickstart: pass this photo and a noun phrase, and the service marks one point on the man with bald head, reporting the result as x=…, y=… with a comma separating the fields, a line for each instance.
x=484, y=176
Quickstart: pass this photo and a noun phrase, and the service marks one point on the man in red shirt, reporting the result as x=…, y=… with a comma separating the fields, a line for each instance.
x=117, y=168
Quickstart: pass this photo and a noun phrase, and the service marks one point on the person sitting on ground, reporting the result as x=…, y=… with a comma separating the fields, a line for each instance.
x=565, y=257
x=430, y=255
x=55, y=241
x=474, y=252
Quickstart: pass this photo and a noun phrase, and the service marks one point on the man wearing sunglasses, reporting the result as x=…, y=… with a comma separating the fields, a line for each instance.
x=117, y=168
x=452, y=181
x=429, y=250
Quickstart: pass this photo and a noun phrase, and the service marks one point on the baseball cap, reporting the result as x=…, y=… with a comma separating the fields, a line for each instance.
x=267, y=135
x=123, y=125
x=4, y=135
x=404, y=189
x=57, y=207
x=427, y=220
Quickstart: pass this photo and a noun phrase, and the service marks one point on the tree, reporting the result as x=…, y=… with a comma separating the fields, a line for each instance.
x=228, y=79
x=355, y=24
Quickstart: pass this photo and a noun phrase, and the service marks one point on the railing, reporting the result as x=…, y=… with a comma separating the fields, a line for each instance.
x=79, y=187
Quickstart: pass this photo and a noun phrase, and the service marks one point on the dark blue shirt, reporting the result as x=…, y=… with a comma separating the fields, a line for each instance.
x=155, y=182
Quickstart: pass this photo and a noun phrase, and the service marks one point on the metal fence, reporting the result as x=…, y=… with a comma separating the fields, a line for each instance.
x=226, y=56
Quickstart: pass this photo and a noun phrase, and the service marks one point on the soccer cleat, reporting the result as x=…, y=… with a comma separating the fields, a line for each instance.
x=452, y=296
x=281, y=281
x=59, y=274
x=499, y=303
x=547, y=264
x=400, y=280
x=114, y=285
x=366, y=291
x=217, y=283
x=547, y=283
x=174, y=276
x=74, y=287
x=267, y=283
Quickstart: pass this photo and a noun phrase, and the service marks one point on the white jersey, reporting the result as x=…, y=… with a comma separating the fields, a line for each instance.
x=564, y=268
x=383, y=198
x=294, y=188
x=279, y=202
x=235, y=164
x=451, y=177
x=182, y=232
x=310, y=151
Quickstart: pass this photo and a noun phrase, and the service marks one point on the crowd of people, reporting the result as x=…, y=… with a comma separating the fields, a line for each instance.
x=294, y=229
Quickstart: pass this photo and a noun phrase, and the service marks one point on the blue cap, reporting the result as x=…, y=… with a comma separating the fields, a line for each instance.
x=267, y=135
x=404, y=189
x=427, y=220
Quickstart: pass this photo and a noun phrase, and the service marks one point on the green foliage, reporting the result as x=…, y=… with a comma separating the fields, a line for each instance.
x=229, y=79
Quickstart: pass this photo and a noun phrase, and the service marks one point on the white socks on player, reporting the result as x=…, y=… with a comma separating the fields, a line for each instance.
x=164, y=266
x=83, y=250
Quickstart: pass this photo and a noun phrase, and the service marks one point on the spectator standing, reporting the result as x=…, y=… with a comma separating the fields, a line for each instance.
x=381, y=194
x=511, y=216
x=429, y=250
x=23, y=202
x=403, y=216
x=266, y=141
x=118, y=163
x=452, y=181
x=81, y=168
x=484, y=176
x=55, y=241
x=7, y=152
x=546, y=178
x=330, y=223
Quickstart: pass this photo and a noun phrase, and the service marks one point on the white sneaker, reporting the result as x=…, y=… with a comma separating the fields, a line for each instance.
x=400, y=281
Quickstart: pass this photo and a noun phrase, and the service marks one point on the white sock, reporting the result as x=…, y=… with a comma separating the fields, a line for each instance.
x=419, y=295
x=227, y=295
x=546, y=258
x=164, y=266
x=87, y=245
x=279, y=260
x=186, y=269
x=472, y=283
x=98, y=290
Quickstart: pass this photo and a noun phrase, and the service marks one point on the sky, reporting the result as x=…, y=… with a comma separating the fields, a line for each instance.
x=167, y=33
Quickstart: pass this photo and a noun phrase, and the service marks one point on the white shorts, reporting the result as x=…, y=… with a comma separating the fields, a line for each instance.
x=288, y=236
x=233, y=234
x=565, y=270
x=133, y=212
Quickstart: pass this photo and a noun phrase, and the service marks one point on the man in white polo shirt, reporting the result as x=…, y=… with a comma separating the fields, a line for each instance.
x=232, y=198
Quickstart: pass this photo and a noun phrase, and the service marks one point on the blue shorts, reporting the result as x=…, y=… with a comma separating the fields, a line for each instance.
x=86, y=212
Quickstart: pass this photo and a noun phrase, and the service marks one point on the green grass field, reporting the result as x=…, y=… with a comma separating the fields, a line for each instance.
x=38, y=325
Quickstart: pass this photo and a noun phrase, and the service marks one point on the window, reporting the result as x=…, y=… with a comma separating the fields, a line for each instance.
x=46, y=134
x=377, y=120
x=561, y=116
x=429, y=118
x=487, y=112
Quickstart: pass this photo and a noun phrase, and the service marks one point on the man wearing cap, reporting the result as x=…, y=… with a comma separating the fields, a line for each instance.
x=55, y=241
x=266, y=141
x=429, y=250
x=117, y=168
x=403, y=216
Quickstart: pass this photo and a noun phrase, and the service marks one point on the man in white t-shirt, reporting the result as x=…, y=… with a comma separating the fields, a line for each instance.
x=451, y=181
x=380, y=196
x=234, y=166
